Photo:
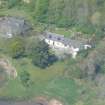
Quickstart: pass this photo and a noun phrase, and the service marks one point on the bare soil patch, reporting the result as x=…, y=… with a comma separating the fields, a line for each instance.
x=45, y=101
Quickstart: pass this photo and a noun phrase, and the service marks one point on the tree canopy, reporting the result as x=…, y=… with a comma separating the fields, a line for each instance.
x=40, y=54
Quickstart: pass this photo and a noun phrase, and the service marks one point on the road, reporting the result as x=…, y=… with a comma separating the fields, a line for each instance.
x=17, y=103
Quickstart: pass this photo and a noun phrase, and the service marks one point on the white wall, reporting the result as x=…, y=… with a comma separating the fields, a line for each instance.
x=70, y=50
x=87, y=46
x=56, y=44
x=59, y=44
x=50, y=42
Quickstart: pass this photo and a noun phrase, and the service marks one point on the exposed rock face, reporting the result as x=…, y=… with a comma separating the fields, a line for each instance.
x=10, y=26
x=55, y=102
x=44, y=101
x=9, y=69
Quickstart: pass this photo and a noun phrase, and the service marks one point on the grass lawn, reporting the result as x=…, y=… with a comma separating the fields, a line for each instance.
x=37, y=73
x=63, y=89
x=40, y=78
x=48, y=82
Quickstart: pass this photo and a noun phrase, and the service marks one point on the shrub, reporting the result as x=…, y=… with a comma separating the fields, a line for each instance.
x=12, y=3
x=25, y=78
x=16, y=47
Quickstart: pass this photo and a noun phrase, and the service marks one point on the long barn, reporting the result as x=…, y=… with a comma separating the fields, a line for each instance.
x=60, y=42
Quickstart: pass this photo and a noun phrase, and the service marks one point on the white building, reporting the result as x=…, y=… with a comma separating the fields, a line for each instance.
x=70, y=46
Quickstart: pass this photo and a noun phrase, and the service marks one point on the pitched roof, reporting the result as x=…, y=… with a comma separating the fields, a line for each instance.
x=64, y=40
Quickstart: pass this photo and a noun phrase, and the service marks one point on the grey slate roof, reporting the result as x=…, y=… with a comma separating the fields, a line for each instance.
x=65, y=41
x=13, y=25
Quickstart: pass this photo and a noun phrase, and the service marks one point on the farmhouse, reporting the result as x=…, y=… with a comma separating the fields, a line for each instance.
x=69, y=46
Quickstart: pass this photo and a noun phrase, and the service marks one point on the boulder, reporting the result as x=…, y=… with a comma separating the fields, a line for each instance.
x=54, y=102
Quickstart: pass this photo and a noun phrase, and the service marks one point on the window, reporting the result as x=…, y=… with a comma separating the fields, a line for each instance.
x=59, y=38
x=50, y=36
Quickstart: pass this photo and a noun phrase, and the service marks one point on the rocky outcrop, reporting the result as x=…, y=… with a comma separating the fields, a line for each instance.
x=54, y=102
x=44, y=101
x=9, y=69
x=10, y=26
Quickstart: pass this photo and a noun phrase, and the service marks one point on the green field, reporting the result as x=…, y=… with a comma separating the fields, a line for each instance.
x=51, y=82
x=66, y=80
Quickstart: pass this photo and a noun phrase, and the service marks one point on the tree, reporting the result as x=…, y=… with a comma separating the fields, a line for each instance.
x=38, y=51
x=16, y=47
x=12, y=3
x=93, y=64
x=25, y=78
x=42, y=57
x=41, y=10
